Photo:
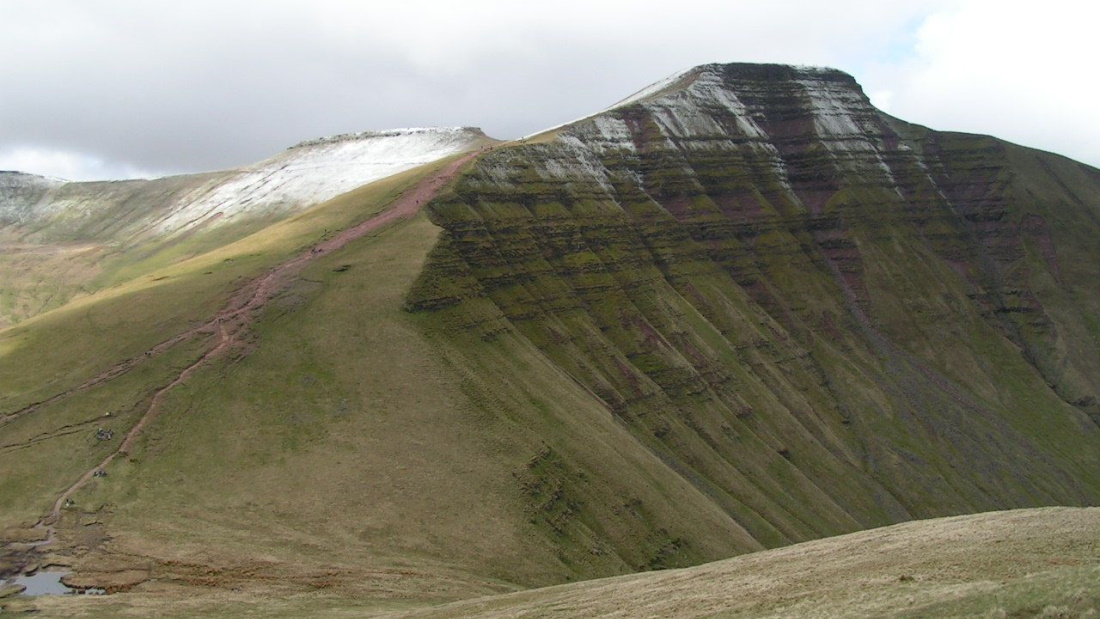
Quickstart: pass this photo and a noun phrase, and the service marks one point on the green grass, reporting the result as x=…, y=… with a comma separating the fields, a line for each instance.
x=69, y=345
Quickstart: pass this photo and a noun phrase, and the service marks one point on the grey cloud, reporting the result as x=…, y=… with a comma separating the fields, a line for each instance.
x=208, y=85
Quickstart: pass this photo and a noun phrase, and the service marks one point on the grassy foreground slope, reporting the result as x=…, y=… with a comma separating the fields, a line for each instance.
x=1022, y=563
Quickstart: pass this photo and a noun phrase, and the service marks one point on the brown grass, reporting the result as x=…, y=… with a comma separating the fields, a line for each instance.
x=1020, y=562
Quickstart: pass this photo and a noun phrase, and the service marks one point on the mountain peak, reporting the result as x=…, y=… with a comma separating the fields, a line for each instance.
x=704, y=89
x=766, y=104
x=735, y=72
x=772, y=72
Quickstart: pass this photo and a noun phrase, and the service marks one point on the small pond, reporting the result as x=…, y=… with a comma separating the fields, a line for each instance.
x=48, y=582
x=42, y=583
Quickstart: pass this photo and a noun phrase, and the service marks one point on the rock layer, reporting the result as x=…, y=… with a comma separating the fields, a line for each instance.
x=822, y=317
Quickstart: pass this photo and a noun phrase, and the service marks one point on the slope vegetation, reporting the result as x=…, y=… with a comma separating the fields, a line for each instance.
x=825, y=319
x=60, y=239
x=1021, y=563
x=1024, y=563
x=741, y=310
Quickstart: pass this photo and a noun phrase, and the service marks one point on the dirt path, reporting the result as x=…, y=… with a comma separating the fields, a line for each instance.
x=229, y=324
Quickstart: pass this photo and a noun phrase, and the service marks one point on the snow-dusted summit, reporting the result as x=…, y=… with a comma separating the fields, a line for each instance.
x=764, y=112
x=318, y=170
x=303, y=175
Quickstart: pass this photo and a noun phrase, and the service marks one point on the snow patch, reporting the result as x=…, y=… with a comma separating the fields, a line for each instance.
x=583, y=163
x=614, y=134
x=711, y=87
x=690, y=113
x=653, y=89
x=318, y=170
x=831, y=109
x=645, y=93
x=844, y=121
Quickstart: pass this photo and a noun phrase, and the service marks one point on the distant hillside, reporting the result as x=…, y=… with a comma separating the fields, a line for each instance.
x=59, y=238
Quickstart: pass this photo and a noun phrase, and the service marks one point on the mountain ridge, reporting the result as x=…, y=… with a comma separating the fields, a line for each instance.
x=114, y=222
x=739, y=313
x=377, y=148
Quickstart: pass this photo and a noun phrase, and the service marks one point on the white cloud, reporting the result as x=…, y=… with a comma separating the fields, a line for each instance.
x=882, y=99
x=67, y=165
x=212, y=84
x=1020, y=71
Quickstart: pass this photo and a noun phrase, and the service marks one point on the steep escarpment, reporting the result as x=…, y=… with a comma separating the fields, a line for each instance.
x=822, y=317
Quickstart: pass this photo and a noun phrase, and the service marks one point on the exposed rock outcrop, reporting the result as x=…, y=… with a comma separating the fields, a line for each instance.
x=823, y=317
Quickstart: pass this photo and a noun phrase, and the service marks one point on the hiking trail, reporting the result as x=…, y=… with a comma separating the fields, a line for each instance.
x=233, y=321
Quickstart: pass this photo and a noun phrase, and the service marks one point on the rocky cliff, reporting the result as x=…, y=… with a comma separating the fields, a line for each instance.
x=823, y=317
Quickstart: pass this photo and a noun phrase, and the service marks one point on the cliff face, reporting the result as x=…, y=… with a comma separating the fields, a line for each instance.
x=820, y=316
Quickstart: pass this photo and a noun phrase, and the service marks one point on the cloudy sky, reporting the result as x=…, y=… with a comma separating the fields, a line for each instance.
x=93, y=89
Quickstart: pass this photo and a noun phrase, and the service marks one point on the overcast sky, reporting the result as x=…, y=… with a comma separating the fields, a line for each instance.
x=93, y=89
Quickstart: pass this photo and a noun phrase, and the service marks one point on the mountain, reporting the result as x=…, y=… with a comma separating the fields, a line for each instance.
x=305, y=174
x=47, y=224
x=827, y=319
x=738, y=310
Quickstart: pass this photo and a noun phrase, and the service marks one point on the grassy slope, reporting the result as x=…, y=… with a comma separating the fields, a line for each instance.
x=355, y=449
x=1024, y=563
x=74, y=343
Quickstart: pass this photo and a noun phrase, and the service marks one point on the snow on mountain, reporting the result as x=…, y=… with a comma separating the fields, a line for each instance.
x=654, y=88
x=318, y=170
x=299, y=177
x=19, y=190
x=643, y=94
x=728, y=107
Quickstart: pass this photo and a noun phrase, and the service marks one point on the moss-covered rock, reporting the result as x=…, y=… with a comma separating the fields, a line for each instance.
x=823, y=318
